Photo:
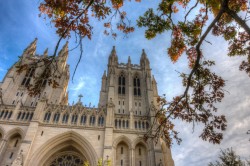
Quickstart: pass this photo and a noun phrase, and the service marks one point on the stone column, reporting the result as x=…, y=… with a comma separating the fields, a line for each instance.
x=132, y=157
x=2, y=148
x=32, y=130
x=15, y=111
x=131, y=120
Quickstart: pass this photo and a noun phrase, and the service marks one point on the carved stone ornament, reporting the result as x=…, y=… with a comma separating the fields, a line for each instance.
x=110, y=103
x=19, y=160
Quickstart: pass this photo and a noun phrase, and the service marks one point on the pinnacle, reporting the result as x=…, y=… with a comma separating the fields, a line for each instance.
x=31, y=47
x=129, y=60
x=64, y=49
x=45, y=54
x=143, y=54
x=113, y=52
x=104, y=74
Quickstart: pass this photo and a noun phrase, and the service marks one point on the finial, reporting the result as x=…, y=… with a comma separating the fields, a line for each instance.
x=31, y=49
x=80, y=96
x=129, y=60
x=104, y=74
x=45, y=54
x=143, y=53
x=113, y=52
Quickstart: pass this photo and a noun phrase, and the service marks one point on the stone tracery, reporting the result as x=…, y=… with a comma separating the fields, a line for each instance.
x=67, y=158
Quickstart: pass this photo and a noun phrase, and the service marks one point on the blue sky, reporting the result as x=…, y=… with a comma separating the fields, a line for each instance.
x=20, y=24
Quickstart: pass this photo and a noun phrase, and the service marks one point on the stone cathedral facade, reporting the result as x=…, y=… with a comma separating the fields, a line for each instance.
x=46, y=131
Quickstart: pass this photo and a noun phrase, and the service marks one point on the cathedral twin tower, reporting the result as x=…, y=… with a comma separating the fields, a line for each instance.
x=45, y=131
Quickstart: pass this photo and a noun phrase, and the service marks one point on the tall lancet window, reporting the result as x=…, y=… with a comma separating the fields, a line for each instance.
x=121, y=84
x=28, y=76
x=137, y=84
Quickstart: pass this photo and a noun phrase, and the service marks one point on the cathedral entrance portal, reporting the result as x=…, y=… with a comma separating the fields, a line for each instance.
x=67, y=149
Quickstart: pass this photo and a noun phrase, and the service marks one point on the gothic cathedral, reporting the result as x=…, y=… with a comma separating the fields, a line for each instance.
x=46, y=131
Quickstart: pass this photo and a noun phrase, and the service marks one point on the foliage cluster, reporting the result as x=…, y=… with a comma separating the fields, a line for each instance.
x=228, y=157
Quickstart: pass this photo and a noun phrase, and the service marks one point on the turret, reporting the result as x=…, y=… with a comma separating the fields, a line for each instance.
x=31, y=49
x=104, y=81
x=154, y=84
x=113, y=59
x=63, y=56
x=144, y=62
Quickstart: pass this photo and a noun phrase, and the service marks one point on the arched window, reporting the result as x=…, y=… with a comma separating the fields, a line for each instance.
x=127, y=124
x=101, y=121
x=5, y=115
x=10, y=113
x=83, y=119
x=136, y=124
x=44, y=81
x=1, y=114
x=28, y=76
x=27, y=116
x=139, y=124
x=116, y=123
x=121, y=85
x=74, y=119
x=137, y=89
x=143, y=125
x=47, y=117
x=56, y=117
x=31, y=116
x=23, y=115
x=19, y=115
x=92, y=120
x=65, y=118
x=121, y=150
x=139, y=151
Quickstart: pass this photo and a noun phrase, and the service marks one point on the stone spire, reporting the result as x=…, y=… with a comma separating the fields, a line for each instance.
x=104, y=82
x=31, y=49
x=113, y=59
x=144, y=62
x=129, y=61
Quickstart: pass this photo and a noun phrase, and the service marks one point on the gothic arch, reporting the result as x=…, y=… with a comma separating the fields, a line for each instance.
x=60, y=142
x=2, y=132
x=12, y=145
x=141, y=152
x=122, y=151
x=122, y=138
x=139, y=141
x=17, y=130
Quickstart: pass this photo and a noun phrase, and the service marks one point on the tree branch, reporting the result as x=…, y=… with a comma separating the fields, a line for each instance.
x=238, y=19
